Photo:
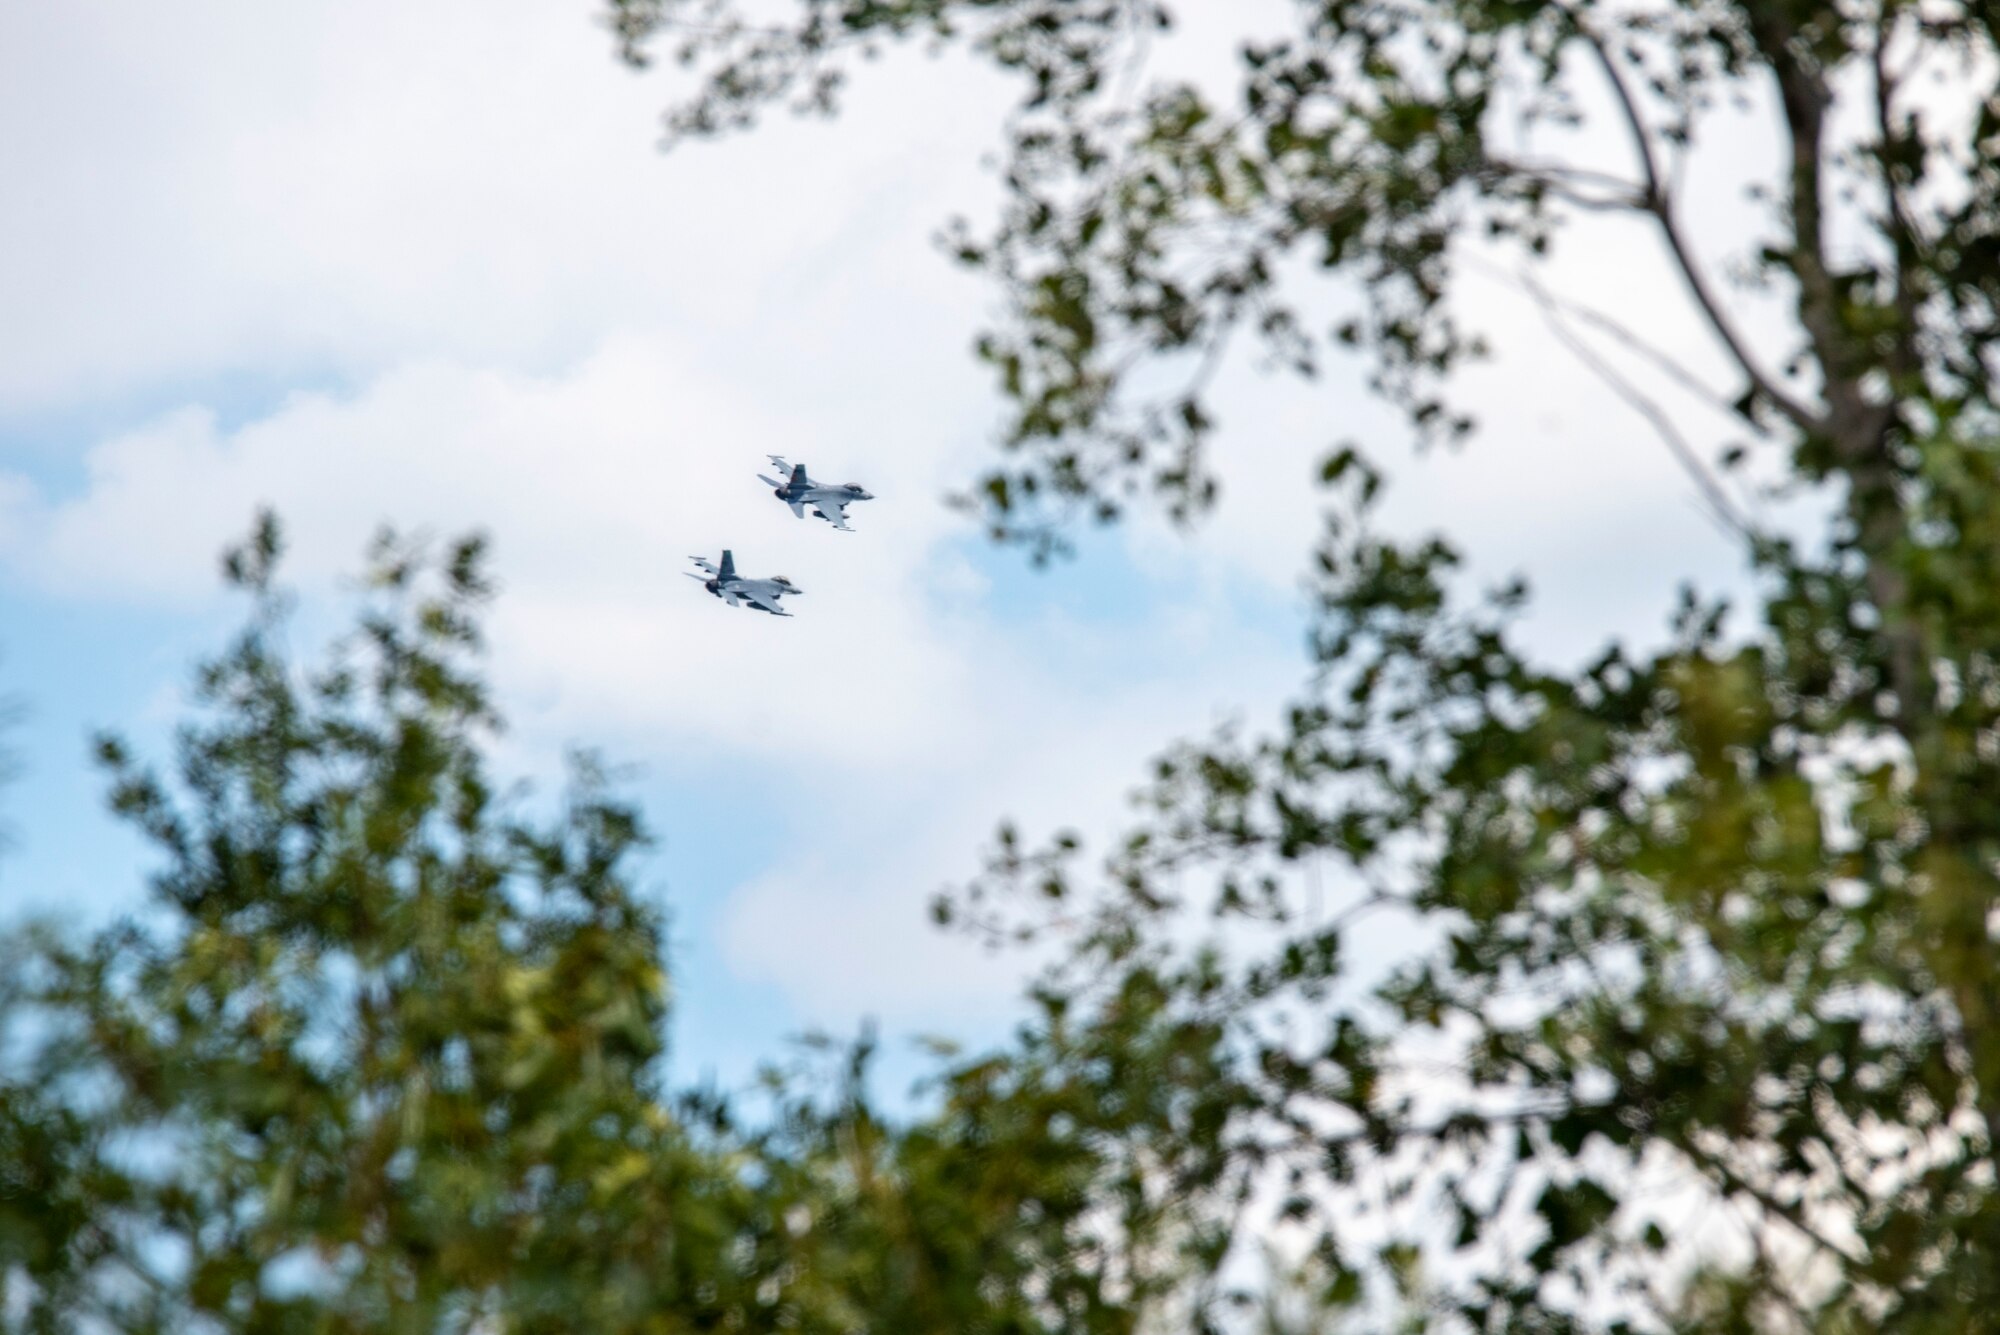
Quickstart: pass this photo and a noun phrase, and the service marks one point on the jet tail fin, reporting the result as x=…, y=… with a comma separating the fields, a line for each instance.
x=798, y=475
x=728, y=570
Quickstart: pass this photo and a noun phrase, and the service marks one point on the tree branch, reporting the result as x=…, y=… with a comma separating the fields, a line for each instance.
x=1731, y=1180
x=1903, y=231
x=1659, y=203
x=1721, y=508
x=1566, y=184
x=1615, y=330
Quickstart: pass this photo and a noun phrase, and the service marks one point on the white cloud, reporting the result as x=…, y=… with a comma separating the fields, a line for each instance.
x=902, y=716
x=599, y=483
x=539, y=327
x=843, y=927
x=454, y=212
x=298, y=189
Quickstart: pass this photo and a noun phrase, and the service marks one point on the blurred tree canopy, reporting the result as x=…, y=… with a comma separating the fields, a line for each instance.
x=385, y=1055
x=1702, y=1032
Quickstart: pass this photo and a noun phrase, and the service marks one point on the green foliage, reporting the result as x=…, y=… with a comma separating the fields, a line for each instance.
x=1695, y=1025
x=384, y=1061
x=1698, y=1023
x=385, y=1055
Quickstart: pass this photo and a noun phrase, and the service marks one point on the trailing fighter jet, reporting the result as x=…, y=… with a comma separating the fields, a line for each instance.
x=828, y=502
x=732, y=588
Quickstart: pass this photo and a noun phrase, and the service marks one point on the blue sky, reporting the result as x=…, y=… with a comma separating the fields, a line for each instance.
x=369, y=262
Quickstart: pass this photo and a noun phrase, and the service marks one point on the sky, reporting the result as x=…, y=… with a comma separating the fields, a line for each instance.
x=370, y=262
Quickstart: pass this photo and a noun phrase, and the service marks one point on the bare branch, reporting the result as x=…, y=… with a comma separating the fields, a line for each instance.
x=1902, y=227
x=1614, y=329
x=1660, y=204
x=1567, y=184
x=1721, y=508
x=1731, y=1180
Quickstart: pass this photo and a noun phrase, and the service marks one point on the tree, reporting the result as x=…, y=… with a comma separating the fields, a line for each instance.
x=1714, y=919
x=385, y=1063
x=384, y=1054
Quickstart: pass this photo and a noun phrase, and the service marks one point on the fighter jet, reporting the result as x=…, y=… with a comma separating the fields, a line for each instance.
x=828, y=502
x=732, y=588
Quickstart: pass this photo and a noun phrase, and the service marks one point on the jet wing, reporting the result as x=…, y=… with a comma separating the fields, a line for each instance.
x=834, y=512
x=759, y=602
x=778, y=462
x=707, y=567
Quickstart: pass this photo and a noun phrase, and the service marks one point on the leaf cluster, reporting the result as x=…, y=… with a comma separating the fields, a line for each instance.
x=386, y=1054
x=1693, y=1017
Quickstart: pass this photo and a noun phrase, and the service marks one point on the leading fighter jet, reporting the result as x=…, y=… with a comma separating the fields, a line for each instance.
x=732, y=588
x=828, y=502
